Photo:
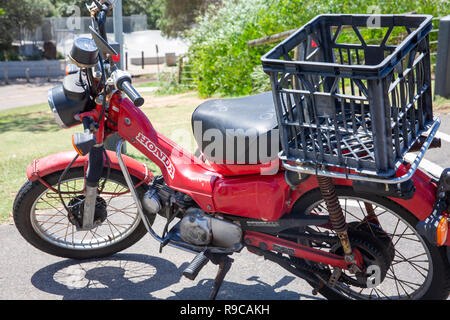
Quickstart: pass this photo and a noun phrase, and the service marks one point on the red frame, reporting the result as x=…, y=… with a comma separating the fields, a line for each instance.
x=273, y=243
x=236, y=190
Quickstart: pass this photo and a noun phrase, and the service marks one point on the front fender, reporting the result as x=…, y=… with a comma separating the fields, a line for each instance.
x=42, y=167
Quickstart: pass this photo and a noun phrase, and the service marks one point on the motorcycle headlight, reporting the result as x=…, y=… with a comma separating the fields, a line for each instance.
x=69, y=99
x=64, y=109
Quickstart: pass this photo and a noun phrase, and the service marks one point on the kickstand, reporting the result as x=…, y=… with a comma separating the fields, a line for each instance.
x=224, y=262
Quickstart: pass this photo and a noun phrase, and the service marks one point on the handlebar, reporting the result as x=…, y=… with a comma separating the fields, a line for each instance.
x=122, y=81
x=131, y=92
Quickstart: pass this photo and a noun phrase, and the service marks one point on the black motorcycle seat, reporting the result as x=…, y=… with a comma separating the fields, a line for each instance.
x=238, y=130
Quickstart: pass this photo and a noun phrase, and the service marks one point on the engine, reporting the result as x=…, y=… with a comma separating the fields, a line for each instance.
x=201, y=229
x=196, y=226
x=160, y=196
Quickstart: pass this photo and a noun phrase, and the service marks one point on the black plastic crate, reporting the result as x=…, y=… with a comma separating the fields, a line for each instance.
x=346, y=100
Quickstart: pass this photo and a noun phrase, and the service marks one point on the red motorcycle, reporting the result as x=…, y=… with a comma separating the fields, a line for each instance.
x=336, y=204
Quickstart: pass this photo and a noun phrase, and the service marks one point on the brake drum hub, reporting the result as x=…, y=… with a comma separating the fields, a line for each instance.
x=76, y=209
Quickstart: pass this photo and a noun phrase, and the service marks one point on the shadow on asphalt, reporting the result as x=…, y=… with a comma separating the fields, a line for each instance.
x=235, y=291
x=137, y=276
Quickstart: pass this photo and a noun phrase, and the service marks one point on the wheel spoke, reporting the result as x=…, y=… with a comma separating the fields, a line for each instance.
x=407, y=261
x=395, y=280
x=51, y=222
x=399, y=283
x=408, y=283
x=401, y=280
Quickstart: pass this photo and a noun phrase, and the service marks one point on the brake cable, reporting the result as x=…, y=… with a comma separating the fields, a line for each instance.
x=59, y=186
x=108, y=162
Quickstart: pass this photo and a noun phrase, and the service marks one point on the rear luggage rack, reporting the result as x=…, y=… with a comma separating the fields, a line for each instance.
x=359, y=107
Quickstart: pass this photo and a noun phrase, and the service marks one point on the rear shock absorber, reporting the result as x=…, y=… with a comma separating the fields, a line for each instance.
x=337, y=218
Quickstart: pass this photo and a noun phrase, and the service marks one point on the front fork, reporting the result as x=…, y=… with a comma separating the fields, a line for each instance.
x=90, y=142
x=93, y=175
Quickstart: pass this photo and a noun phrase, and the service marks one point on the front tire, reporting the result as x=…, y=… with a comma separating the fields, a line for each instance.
x=419, y=269
x=42, y=220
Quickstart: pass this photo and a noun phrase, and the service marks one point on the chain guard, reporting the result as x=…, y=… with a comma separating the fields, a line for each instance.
x=373, y=243
x=376, y=248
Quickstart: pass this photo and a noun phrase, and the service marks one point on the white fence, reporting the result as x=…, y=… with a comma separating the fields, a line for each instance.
x=38, y=68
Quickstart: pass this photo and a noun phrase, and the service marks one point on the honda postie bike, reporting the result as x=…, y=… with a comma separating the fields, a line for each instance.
x=350, y=234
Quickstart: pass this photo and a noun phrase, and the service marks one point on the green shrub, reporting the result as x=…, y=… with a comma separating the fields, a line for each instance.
x=10, y=55
x=167, y=84
x=225, y=64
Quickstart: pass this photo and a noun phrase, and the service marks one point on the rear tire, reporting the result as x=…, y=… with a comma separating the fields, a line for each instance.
x=436, y=280
x=71, y=243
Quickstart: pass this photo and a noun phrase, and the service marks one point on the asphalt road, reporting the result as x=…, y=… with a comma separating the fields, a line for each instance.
x=141, y=272
x=20, y=94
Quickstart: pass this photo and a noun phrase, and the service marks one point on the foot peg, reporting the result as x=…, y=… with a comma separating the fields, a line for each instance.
x=195, y=266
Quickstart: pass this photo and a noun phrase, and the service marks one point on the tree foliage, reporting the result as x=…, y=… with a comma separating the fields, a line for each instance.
x=171, y=16
x=179, y=15
x=16, y=17
x=151, y=8
x=219, y=50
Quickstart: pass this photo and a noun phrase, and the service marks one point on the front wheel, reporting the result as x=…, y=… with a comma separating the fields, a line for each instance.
x=414, y=268
x=42, y=220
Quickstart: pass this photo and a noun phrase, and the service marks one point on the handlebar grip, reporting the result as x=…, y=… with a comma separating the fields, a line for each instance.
x=131, y=92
